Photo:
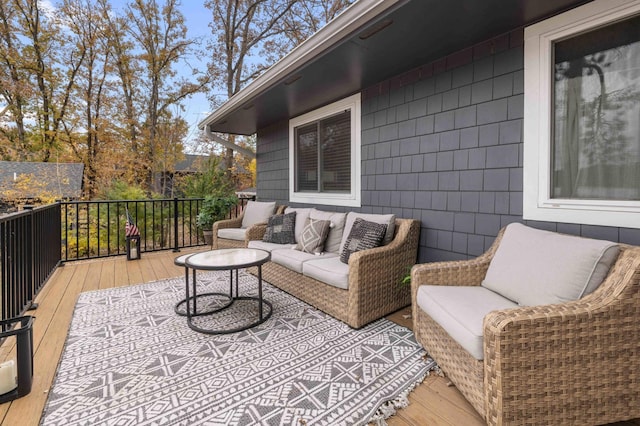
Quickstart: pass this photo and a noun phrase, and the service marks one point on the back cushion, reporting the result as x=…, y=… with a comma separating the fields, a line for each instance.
x=302, y=213
x=534, y=267
x=332, y=245
x=257, y=212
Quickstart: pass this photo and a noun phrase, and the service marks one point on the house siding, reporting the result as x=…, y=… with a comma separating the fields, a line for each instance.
x=441, y=143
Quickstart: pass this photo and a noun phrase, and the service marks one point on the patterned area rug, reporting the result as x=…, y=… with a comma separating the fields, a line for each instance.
x=130, y=360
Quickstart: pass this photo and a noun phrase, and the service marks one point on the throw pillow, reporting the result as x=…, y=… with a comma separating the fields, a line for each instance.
x=281, y=229
x=364, y=235
x=314, y=235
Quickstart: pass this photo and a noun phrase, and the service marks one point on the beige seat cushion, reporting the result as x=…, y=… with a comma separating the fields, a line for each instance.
x=460, y=311
x=232, y=233
x=259, y=244
x=534, y=267
x=332, y=244
x=329, y=270
x=257, y=212
x=385, y=219
x=294, y=259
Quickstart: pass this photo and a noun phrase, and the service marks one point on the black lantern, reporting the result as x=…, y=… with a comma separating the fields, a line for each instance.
x=133, y=247
x=132, y=234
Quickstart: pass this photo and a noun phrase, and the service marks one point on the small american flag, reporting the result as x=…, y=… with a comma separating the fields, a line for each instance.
x=130, y=228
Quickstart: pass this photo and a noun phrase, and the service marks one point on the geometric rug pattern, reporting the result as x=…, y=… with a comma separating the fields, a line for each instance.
x=130, y=360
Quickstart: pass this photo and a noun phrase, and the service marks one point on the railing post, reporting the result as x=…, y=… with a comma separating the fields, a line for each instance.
x=175, y=225
x=30, y=261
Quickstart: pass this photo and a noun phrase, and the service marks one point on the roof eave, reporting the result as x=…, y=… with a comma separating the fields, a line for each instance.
x=345, y=24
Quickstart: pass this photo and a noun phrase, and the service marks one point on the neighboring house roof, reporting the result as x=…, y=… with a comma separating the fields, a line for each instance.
x=191, y=163
x=371, y=41
x=63, y=180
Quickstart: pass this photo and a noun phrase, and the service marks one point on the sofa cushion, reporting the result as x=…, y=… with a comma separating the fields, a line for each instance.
x=259, y=244
x=294, y=259
x=313, y=235
x=329, y=270
x=387, y=219
x=257, y=212
x=332, y=244
x=534, y=267
x=460, y=311
x=363, y=235
x=232, y=233
x=280, y=229
x=302, y=213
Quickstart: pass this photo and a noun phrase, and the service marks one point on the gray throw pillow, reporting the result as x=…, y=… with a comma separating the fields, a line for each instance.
x=281, y=229
x=314, y=235
x=364, y=235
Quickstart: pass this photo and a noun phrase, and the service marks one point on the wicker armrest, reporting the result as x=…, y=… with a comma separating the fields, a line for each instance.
x=227, y=223
x=531, y=352
x=375, y=275
x=255, y=232
x=456, y=273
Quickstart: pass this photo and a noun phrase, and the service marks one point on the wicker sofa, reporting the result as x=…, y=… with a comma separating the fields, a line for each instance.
x=374, y=277
x=575, y=362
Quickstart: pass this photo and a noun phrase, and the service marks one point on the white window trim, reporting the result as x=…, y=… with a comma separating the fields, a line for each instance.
x=353, y=199
x=538, y=57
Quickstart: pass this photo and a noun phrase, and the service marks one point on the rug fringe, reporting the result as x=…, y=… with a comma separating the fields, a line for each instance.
x=389, y=408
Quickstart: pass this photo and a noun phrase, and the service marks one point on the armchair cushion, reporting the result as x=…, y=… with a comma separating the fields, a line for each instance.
x=534, y=267
x=280, y=229
x=237, y=234
x=257, y=212
x=460, y=310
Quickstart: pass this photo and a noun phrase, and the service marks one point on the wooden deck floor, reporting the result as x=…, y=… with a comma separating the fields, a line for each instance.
x=432, y=403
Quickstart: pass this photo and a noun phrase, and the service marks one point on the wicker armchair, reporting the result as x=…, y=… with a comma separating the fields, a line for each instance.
x=570, y=363
x=222, y=243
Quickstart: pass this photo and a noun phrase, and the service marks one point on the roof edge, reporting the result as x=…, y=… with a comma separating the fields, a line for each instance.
x=353, y=18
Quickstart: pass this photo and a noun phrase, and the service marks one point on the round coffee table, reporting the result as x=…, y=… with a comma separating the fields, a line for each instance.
x=193, y=300
x=230, y=260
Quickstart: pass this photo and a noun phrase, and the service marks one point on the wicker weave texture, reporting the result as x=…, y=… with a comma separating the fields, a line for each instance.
x=569, y=363
x=374, y=280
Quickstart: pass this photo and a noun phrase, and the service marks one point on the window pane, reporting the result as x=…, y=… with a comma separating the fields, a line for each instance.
x=336, y=153
x=596, y=140
x=306, y=172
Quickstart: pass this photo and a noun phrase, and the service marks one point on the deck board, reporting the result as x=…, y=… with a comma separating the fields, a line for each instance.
x=431, y=403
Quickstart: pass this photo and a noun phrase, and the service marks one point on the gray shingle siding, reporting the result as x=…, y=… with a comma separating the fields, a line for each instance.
x=443, y=144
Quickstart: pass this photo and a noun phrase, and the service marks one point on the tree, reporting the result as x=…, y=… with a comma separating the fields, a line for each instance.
x=241, y=28
x=14, y=84
x=251, y=35
x=160, y=33
x=53, y=63
x=85, y=126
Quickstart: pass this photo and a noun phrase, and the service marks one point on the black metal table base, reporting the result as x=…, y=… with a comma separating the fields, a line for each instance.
x=259, y=321
x=183, y=311
x=191, y=301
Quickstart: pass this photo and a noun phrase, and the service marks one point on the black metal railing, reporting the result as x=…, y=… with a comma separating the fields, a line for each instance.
x=94, y=229
x=29, y=253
